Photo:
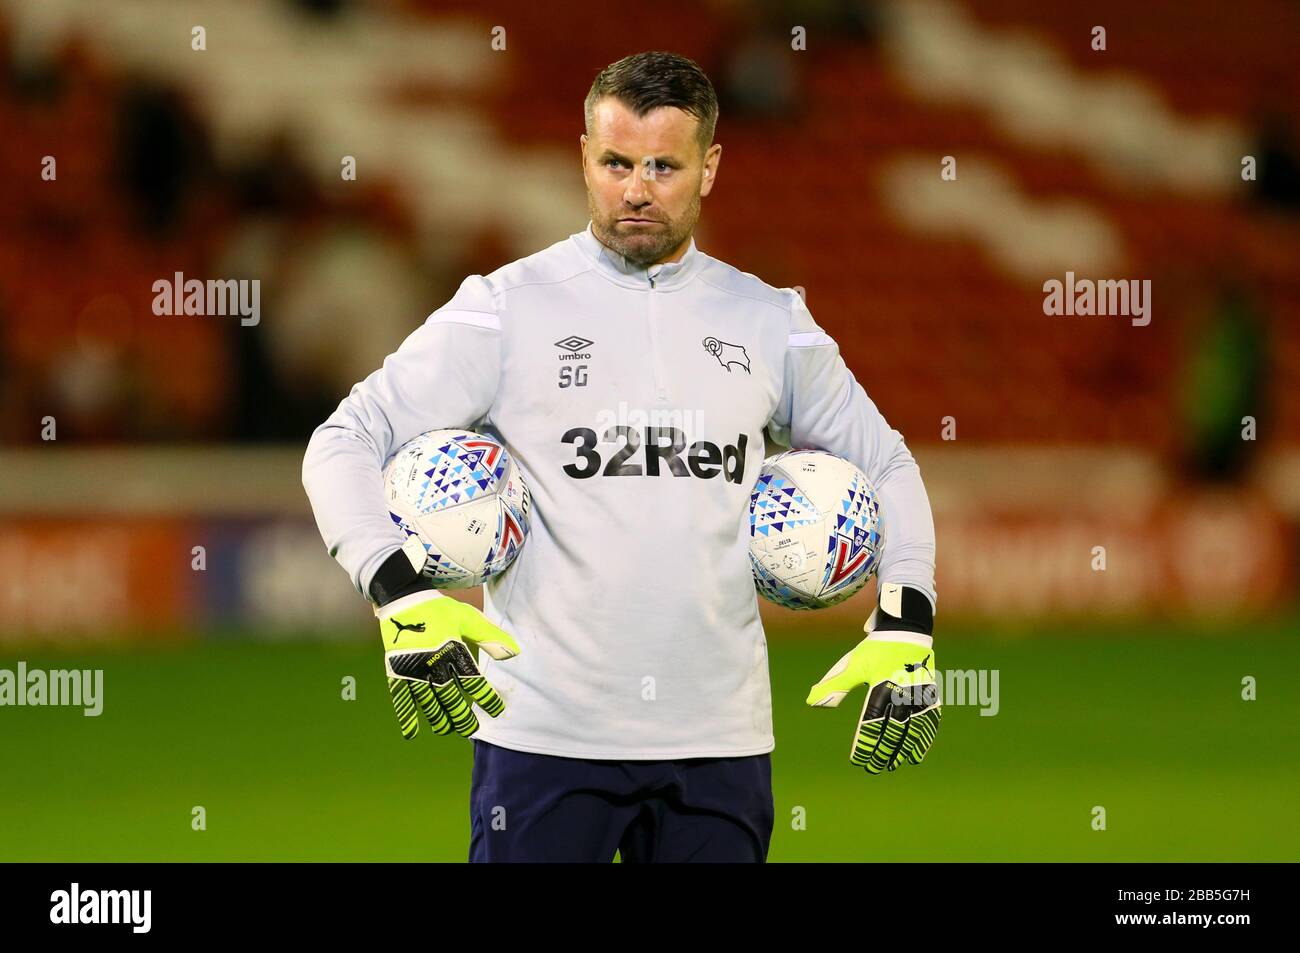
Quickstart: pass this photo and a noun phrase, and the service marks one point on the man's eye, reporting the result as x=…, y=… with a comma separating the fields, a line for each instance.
x=613, y=163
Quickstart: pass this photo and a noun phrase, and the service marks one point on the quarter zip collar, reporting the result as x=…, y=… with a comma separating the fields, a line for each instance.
x=666, y=277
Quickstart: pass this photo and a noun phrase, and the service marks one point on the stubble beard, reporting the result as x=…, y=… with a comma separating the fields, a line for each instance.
x=641, y=246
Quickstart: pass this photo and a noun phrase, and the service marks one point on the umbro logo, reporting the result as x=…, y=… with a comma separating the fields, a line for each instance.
x=727, y=354
x=576, y=345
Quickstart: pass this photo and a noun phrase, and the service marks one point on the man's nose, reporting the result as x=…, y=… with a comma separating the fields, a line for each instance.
x=637, y=192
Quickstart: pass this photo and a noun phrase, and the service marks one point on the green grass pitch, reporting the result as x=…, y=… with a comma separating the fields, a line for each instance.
x=1147, y=723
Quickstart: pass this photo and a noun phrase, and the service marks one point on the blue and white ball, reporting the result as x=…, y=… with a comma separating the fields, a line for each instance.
x=463, y=496
x=816, y=534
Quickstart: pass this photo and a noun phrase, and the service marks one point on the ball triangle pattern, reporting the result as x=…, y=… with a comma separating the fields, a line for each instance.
x=778, y=505
x=459, y=471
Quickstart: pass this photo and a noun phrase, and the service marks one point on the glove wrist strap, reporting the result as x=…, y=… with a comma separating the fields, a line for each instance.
x=902, y=608
x=396, y=577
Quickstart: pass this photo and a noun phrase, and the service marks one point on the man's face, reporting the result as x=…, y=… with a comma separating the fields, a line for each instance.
x=645, y=176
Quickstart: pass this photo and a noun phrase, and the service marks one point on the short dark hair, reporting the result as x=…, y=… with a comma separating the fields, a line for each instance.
x=646, y=81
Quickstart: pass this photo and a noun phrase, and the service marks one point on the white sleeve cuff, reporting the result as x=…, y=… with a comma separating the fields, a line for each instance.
x=915, y=638
x=406, y=602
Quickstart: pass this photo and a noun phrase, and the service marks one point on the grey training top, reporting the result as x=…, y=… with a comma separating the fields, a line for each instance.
x=634, y=401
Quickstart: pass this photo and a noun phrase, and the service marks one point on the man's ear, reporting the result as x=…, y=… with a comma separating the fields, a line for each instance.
x=712, y=156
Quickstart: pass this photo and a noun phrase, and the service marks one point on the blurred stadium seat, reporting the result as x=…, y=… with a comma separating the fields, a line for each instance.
x=227, y=163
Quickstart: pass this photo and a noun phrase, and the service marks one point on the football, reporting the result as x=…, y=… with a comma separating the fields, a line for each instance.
x=816, y=533
x=463, y=496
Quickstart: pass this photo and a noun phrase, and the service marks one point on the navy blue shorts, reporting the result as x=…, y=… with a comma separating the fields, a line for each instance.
x=540, y=807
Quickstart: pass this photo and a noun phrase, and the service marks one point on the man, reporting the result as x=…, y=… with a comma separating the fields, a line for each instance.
x=624, y=665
